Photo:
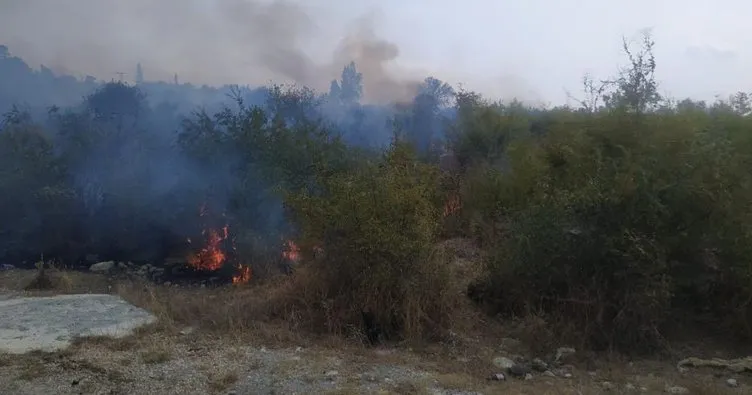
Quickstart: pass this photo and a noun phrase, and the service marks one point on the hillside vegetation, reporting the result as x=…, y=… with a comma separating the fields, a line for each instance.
x=614, y=222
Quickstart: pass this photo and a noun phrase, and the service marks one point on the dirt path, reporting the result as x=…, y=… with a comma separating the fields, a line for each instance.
x=153, y=363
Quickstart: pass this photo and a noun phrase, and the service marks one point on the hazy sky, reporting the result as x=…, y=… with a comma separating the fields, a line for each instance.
x=534, y=49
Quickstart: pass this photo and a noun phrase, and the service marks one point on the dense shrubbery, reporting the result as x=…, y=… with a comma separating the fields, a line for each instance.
x=378, y=225
x=613, y=221
x=616, y=223
x=36, y=196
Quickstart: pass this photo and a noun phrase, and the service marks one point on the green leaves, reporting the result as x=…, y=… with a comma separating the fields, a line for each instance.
x=619, y=214
x=377, y=224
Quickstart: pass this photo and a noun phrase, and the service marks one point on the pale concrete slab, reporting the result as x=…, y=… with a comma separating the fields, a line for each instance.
x=50, y=323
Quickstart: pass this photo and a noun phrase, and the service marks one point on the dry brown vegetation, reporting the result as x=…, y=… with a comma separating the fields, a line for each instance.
x=223, y=318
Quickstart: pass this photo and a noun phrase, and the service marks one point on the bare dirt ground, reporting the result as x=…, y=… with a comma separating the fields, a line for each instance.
x=205, y=343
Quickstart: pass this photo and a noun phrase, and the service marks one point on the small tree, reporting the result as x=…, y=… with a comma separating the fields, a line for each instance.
x=740, y=103
x=636, y=88
x=377, y=226
x=351, y=87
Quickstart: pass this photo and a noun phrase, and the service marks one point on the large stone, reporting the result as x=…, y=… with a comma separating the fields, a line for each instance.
x=51, y=323
x=503, y=363
x=102, y=267
x=564, y=354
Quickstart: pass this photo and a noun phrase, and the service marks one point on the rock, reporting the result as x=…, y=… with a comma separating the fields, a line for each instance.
x=503, y=363
x=518, y=370
x=563, y=354
x=102, y=267
x=528, y=376
x=187, y=331
x=549, y=373
x=51, y=323
x=607, y=385
x=498, y=377
x=567, y=375
x=562, y=372
x=154, y=272
x=511, y=367
x=732, y=383
x=677, y=390
x=538, y=365
x=331, y=374
x=630, y=387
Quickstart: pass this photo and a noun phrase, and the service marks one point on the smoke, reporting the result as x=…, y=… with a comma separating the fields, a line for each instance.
x=204, y=42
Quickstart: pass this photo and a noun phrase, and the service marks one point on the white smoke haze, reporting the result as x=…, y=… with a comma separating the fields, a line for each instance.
x=206, y=42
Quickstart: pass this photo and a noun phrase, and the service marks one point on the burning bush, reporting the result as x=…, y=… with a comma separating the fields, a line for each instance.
x=212, y=256
x=377, y=227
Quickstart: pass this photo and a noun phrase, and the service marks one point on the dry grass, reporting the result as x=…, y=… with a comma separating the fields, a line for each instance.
x=155, y=355
x=53, y=281
x=255, y=315
x=228, y=311
x=110, y=343
x=222, y=381
x=48, y=278
x=346, y=390
x=279, y=310
x=6, y=360
x=31, y=369
x=457, y=381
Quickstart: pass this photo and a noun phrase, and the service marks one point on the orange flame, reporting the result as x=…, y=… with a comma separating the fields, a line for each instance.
x=292, y=251
x=243, y=276
x=453, y=205
x=210, y=257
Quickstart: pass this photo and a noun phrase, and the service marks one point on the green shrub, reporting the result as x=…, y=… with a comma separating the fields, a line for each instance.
x=377, y=226
x=35, y=203
x=617, y=223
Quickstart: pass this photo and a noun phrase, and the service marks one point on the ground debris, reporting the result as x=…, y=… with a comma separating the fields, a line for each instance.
x=738, y=365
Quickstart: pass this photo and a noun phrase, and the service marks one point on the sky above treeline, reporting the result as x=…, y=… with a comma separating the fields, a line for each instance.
x=535, y=50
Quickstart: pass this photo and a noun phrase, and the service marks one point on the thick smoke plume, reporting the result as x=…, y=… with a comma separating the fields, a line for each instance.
x=203, y=41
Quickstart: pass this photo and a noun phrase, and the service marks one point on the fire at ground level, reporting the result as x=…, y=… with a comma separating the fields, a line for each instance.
x=210, y=259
